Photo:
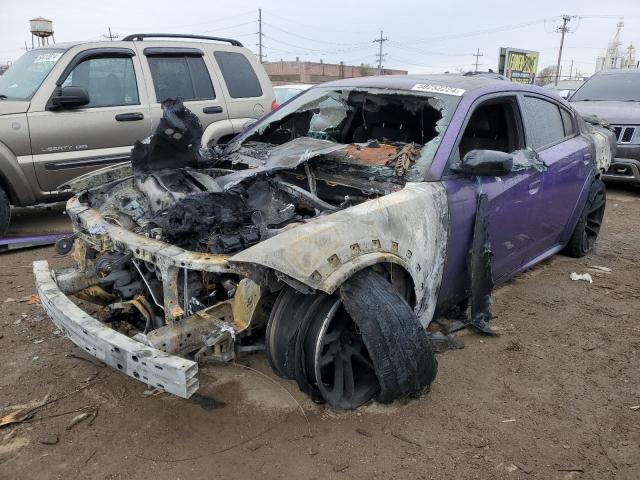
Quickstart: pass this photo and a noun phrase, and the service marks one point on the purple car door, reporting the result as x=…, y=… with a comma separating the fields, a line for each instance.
x=493, y=124
x=551, y=130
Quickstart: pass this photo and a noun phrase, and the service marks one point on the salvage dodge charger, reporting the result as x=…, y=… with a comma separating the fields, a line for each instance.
x=336, y=233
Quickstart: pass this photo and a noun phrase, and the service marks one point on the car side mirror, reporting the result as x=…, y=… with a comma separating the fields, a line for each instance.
x=70, y=97
x=485, y=163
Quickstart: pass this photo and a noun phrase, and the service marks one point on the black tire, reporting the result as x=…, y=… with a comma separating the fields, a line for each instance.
x=345, y=349
x=396, y=341
x=282, y=330
x=5, y=212
x=588, y=227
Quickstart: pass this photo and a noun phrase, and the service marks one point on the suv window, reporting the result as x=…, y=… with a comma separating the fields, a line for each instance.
x=238, y=74
x=110, y=81
x=543, y=122
x=180, y=76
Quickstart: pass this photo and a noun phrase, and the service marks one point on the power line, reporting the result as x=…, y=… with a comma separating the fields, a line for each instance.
x=287, y=32
x=380, y=56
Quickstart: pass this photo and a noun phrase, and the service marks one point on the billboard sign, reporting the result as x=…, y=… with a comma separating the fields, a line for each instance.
x=518, y=65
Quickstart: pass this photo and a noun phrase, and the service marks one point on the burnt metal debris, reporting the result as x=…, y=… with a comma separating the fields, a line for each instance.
x=480, y=269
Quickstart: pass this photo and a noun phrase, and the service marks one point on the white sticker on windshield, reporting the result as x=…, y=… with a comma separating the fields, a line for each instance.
x=48, y=57
x=425, y=87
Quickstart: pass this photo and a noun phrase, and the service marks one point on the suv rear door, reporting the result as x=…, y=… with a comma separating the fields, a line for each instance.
x=183, y=71
x=247, y=87
x=69, y=143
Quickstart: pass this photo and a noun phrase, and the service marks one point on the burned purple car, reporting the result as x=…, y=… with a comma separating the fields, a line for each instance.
x=337, y=233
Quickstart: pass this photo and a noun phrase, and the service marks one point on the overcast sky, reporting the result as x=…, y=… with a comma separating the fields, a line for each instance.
x=423, y=36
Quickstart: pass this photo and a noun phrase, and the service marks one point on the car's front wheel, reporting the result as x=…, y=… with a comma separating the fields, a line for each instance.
x=5, y=212
x=348, y=348
x=586, y=232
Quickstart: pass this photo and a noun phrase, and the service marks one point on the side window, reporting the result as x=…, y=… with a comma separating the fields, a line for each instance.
x=238, y=74
x=567, y=121
x=543, y=123
x=492, y=126
x=110, y=81
x=180, y=76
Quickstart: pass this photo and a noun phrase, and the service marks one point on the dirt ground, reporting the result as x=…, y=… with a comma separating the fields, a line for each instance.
x=552, y=397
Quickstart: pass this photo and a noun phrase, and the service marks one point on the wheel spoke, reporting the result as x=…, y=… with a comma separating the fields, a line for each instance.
x=592, y=230
x=349, y=382
x=338, y=378
x=329, y=355
x=333, y=336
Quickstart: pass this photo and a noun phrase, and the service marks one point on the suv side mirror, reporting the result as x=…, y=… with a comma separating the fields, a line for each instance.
x=70, y=97
x=485, y=163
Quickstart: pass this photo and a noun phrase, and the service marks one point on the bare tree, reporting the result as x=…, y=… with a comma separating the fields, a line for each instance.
x=546, y=75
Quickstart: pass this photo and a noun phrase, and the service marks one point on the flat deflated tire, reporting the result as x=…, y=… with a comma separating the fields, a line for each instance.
x=397, y=343
x=345, y=349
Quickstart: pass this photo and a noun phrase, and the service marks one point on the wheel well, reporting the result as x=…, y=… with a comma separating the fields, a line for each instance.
x=6, y=186
x=400, y=278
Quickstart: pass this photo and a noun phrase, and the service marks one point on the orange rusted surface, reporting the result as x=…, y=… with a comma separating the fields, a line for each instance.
x=371, y=155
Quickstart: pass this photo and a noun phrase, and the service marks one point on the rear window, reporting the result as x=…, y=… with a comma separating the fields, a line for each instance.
x=241, y=80
x=180, y=76
x=543, y=122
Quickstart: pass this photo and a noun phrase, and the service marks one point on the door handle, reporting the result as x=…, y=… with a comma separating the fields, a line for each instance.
x=217, y=109
x=129, y=117
x=534, y=187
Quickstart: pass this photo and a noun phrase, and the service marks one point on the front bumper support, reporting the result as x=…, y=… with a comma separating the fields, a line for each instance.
x=159, y=369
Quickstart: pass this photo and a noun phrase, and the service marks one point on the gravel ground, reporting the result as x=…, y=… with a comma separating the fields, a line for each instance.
x=551, y=397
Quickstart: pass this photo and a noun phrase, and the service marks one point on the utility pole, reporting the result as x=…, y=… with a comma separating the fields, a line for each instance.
x=380, y=56
x=477, y=55
x=260, y=35
x=563, y=29
x=571, y=70
x=111, y=36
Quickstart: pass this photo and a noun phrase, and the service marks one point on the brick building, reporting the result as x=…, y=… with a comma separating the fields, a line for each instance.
x=318, y=72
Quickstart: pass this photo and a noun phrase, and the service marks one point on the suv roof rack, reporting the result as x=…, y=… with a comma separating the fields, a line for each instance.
x=142, y=36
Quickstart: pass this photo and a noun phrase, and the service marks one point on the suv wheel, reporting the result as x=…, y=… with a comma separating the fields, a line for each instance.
x=5, y=212
x=586, y=232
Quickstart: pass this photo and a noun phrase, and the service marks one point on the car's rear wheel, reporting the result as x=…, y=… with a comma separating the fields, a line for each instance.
x=5, y=212
x=347, y=348
x=588, y=228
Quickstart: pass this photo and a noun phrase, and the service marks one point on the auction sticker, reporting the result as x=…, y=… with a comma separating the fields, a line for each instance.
x=425, y=87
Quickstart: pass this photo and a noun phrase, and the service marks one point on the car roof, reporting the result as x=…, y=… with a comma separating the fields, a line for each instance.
x=407, y=82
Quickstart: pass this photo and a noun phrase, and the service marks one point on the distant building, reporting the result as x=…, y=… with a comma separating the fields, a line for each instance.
x=317, y=72
x=615, y=56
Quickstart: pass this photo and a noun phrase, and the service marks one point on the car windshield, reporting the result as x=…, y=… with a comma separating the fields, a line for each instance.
x=373, y=124
x=623, y=87
x=25, y=76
